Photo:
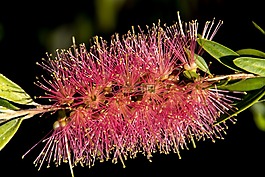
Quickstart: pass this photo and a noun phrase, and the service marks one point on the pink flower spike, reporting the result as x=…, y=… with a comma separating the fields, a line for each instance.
x=131, y=96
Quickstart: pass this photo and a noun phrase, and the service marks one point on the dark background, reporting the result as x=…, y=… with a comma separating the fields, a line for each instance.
x=29, y=30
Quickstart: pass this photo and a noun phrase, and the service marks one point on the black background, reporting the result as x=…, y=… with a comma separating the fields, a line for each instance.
x=21, y=45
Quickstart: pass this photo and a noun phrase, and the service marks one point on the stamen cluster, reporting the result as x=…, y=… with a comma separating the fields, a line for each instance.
x=130, y=96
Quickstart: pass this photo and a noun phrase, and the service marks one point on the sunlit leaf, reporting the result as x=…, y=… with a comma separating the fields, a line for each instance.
x=250, y=99
x=13, y=92
x=258, y=112
x=251, y=64
x=251, y=52
x=8, y=130
x=245, y=84
x=221, y=53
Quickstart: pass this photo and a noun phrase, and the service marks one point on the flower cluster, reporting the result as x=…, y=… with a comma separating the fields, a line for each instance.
x=131, y=95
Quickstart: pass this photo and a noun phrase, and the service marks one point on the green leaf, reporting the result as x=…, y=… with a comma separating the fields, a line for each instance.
x=8, y=130
x=221, y=53
x=201, y=64
x=251, y=64
x=12, y=92
x=190, y=74
x=5, y=105
x=258, y=112
x=262, y=99
x=245, y=84
x=250, y=99
x=251, y=52
x=258, y=27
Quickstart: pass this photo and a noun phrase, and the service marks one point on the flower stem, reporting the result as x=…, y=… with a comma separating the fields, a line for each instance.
x=232, y=77
x=6, y=115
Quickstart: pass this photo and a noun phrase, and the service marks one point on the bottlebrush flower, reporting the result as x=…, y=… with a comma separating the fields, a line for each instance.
x=130, y=96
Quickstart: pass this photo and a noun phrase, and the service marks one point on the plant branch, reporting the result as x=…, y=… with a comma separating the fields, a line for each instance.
x=6, y=115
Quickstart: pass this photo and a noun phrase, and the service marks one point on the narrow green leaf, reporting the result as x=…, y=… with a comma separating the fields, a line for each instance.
x=221, y=53
x=200, y=62
x=262, y=99
x=258, y=27
x=258, y=112
x=202, y=65
x=251, y=52
x=4, y=104
x=12, y=92
x=251, y=64
x=8, y=130
x=245, y=84
x=250, y=99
